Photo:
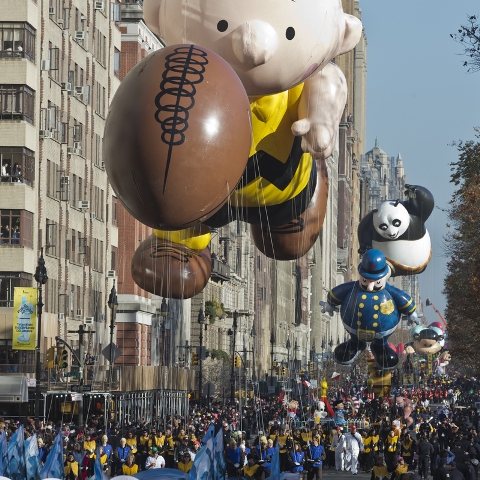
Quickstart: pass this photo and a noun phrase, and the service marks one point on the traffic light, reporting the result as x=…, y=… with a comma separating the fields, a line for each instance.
x=51, y=357
x=284, y=371
x=194, y=358
x=278, y=369
x=302, y=372
x=274, y=363
x=62, y=359
x=310, y=368
x=238, y=361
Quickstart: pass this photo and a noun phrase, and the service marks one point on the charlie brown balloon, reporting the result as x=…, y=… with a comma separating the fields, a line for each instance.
x=273, y=46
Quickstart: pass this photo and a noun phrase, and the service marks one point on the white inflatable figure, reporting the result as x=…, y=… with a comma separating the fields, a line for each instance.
x=273, y=46
x=397, y=228
x=319, y=412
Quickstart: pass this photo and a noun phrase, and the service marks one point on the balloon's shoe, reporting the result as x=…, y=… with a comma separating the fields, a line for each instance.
x=385, y=357
x=347, y=352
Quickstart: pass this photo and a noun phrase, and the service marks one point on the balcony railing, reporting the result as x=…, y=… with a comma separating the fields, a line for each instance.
x=220, y=271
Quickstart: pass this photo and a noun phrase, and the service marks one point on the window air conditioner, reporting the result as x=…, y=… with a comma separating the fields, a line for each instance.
x=45, y=134
x=73, y=151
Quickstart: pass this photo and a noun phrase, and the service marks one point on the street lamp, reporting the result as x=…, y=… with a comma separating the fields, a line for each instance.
x=232, y=374
x=163, y=314
x=201, y=321
x=41, y=279
x=112, y=305
x=272, y=343
x=253, y=333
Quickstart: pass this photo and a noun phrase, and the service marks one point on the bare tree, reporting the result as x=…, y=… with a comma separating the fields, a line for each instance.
x=469, y=37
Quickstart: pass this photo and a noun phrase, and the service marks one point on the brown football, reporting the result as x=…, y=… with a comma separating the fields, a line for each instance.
x=177, y=137
x=294, y=239
x=170, y=270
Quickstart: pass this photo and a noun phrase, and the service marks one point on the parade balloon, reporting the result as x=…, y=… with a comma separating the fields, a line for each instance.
x=177, y=137
x=294, y=239
x=169, y=269
x=397, y=228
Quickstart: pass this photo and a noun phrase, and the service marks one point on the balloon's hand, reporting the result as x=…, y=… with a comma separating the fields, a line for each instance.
x=328, y=308
x=320, y=110
x=413, y=318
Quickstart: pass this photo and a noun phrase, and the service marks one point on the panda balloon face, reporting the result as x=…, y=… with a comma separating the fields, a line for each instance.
x=391, y=220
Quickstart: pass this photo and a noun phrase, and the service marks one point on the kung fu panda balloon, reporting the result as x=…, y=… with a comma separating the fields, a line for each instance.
x=397, y=228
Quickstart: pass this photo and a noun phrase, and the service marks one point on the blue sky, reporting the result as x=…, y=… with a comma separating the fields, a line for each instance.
x=419, y=100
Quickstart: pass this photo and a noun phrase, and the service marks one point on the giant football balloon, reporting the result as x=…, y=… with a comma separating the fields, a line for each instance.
x=177, y=137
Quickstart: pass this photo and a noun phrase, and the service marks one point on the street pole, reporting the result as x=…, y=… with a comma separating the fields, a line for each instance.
x=41, y=279
x=113, y=305
x=272, y=343
x=81, y=362
x=163, y=314
x=253, y=334
x=201, y=321
x=232, y=376
x=288, y=346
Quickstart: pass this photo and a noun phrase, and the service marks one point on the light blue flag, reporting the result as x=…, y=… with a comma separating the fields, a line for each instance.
x=53, y=467
x=202, y=468
x=32, y=459
x=219, y=465
x=98, y=469
x=275, y=465
x=16, y=456
x=3, y=452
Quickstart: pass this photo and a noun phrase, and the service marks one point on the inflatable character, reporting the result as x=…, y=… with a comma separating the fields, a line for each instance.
x=398, y=230
x=429, y=343
x=378, y=380
x=297, y=97
x=370, y=309
x=319, y=412
x=339, y=414
x=407, y=405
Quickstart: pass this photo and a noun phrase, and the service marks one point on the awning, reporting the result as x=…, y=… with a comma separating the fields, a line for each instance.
x=13, y=388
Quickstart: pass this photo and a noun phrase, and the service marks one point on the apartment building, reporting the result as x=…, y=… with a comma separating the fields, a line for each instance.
x=59, y=69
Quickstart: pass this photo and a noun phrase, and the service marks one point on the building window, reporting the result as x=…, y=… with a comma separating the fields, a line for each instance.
x=10, y=280
x=17, y=40
x=17, y=164
x=50, y=120
x=17, y=228
x=116, y=62
x=54, y=57
x=17, y=102
x=113, y=258
x=98, y=202
x=52, y=238
x=97, y=248
x=53, y=180
x=96, y=304
x=114, y=211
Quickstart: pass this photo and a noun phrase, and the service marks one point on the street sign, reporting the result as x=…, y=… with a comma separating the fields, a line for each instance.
x=76, y=397
x=116, y=352
x=208, y=389
x=314, y=383
x=70, y=374
x=86, y=388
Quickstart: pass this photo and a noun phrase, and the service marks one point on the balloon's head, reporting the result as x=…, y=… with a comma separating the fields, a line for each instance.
x=271, y=44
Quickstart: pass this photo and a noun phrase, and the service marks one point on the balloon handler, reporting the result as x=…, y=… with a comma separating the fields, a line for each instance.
x=370, y=309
